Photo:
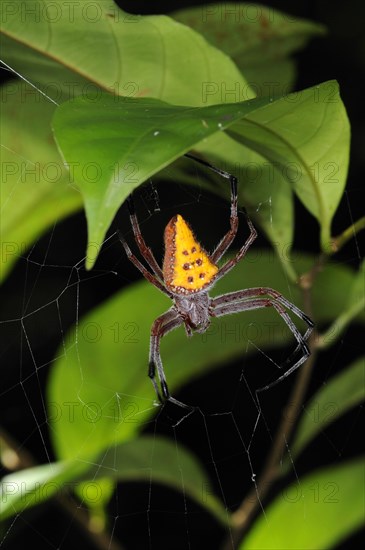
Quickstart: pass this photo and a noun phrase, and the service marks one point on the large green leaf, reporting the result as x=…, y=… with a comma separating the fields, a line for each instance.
x=342, y=392
x=114, y=144
x=35, y=187
x=318, y=511
x=259, y=39
x=99, y=393
x=148, y=459
x=72, y=49
x=133, y=138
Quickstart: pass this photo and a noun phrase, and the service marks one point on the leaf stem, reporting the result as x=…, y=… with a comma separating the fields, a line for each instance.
x=338, y=242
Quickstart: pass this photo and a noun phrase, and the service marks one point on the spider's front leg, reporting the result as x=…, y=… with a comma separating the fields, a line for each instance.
x=162, y=325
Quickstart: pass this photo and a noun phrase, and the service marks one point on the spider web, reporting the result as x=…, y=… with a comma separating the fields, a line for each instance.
x=230, y=432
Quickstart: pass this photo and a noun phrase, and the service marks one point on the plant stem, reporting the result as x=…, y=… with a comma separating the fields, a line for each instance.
x=243, y=516
x=16, y=458
x=339, y=241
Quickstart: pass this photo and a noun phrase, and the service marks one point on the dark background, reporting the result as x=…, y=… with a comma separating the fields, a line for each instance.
x=339, y=56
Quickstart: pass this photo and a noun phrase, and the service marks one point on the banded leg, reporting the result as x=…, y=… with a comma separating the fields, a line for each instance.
x=141, y=243
x=228, y=238
x=249, y=299
x=146, y=274
x=163, y=324
x=240, y=254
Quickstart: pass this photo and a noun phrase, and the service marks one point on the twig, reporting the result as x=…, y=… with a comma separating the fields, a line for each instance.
x=339, y=241
x=251, y=503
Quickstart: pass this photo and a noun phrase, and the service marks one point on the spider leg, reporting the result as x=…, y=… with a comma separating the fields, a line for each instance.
x=305, y=338
x=241, y=295
x=149, y=276
x=162, y=325
x=240, y=254
x=142, y=246
x=244, y=300
x=228, y=238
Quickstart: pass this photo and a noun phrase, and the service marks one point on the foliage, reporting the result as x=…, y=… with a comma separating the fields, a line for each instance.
x=163, y=106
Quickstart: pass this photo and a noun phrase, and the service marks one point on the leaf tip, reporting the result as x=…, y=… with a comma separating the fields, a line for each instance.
x=92, y=253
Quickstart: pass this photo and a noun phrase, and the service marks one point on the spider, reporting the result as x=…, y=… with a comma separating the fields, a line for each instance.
x=187, y=275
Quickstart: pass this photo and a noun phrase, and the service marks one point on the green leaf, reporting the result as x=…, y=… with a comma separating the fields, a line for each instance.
x=306, y=135
x=318, y=511
x=35, y=189
x=257, y=38
x=131, y=139
x=148, y=459
x=73, y=49
x=99, y=393
x=26, y=488
x=341, y=393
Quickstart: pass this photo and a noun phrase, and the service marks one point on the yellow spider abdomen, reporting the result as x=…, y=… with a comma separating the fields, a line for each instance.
x=186, y=266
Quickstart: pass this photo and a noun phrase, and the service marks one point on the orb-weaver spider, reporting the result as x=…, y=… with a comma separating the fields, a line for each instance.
x=188, y=273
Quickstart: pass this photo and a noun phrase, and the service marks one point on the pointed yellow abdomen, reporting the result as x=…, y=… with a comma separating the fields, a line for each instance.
x=186, y=266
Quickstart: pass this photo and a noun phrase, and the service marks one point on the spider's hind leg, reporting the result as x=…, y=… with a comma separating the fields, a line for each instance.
x=252, y=298
x=302, y=342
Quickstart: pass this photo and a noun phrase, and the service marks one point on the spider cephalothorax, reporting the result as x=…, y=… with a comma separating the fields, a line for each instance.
x=195, y=311
x=187, y=275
